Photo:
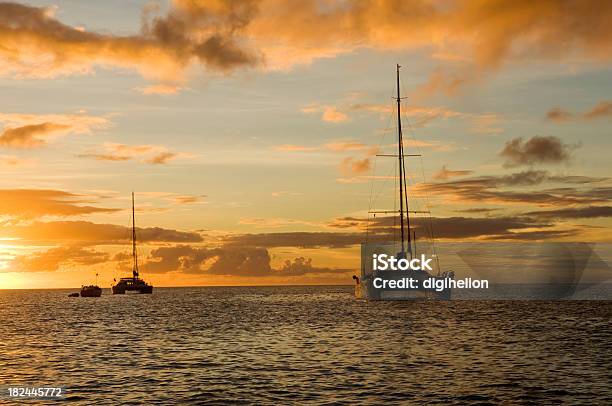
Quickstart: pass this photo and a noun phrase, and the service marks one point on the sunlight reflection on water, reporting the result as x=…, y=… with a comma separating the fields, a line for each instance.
x=303, y=344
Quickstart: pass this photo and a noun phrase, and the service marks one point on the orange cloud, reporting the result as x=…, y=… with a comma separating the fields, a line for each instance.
x=603, y=109
x=341, y=146
x=227, y=260
x=223, y=35
x=186, y=199
x=600, y=110
x=558, y=114
x=332, y=115
x=151, y=154
x=329, y=114
x=13, y=161
x=88, y=233
x=31, y=131
x=35, y=44
x=351, y=166
x=446, y=173
x=493, y=189
x=274, y=222
x=29, y=136
x=294, y=148
x=160, y=89
x=32, y=203
x=56, y=258
x=161, y=158
x=336, y=146
x=337, y=114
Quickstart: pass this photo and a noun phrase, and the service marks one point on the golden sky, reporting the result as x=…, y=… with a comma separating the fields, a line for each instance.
x=249, y=132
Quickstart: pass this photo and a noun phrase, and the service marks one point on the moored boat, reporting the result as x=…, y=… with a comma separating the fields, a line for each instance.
x=132, y=284
x=91, y=291
x=370, y=283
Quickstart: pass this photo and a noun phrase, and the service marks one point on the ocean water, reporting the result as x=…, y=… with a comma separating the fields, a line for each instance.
x=296, y=345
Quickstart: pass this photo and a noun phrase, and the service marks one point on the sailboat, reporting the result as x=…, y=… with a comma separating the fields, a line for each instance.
x=132, y=284
x=405, y=248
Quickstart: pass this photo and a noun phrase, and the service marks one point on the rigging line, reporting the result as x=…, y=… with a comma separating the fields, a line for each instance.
x=395, y=195
x=372, y=196
x=427, y=200
x=126, y=250
x=429, y=216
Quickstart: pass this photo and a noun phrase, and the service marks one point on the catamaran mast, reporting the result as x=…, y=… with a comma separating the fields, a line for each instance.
x=134, y=253
x=402, y=174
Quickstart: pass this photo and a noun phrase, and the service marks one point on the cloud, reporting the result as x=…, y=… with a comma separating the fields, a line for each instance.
x=35, y=44
x=224, y=35
x=329, y=114
x=300, y=239
x=88, y=233
x=351, y=166
x=478, y=210
x=187, y=199
x=150, y=154
x=105, y=157
x=281, y=193
x=161, y=158
x=421, y=115
x=56, y=258
x=574, y=212
x=558, y=114
x=160, y=89
x=303, y=266
x=10, y=161
x=29, y=136
x=535, y=235
x=274, y=222
x=32, y=203
x=336, y=146
x=332, y=115
x=343, y=146
x=445, y=82
x=385, y=229
x=601, y=110
x=445, y=173
x=488, y=189
x=294, y=148
x=536, y=150
x=234, y=261
x=492, y=32
x=32, y=131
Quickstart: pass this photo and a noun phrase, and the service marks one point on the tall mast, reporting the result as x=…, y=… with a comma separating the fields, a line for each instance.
x=402, y=175
x=134, y=253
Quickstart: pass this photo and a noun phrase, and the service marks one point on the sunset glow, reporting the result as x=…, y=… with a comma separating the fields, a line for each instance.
x=249, y=133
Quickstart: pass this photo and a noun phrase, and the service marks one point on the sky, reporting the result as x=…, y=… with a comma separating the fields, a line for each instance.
x=249, y=133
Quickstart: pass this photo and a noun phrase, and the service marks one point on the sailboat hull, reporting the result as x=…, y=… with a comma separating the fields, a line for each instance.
x=371, y=289
x=132, y=285
x=91, y=291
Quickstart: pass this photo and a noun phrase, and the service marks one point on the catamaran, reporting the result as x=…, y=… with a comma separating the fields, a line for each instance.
x=375, y=284
x=132, y=284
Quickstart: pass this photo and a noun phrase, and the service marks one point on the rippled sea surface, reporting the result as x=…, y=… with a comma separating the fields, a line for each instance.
x=315, y=345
